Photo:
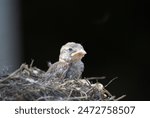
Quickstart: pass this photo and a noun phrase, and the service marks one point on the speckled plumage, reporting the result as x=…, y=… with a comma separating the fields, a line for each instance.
x=69, y=65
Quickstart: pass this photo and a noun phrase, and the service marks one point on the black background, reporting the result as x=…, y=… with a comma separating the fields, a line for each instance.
x=114, y=33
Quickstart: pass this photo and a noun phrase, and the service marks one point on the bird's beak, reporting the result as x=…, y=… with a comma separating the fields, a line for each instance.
x=79, y=53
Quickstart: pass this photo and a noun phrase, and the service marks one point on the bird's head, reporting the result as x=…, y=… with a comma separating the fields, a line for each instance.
x=71, y=52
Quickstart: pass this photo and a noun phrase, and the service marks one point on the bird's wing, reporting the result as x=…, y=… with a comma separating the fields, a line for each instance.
x=75, y=70
x=58, y=70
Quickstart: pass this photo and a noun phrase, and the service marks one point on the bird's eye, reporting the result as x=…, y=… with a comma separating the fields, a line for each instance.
x=70, y=49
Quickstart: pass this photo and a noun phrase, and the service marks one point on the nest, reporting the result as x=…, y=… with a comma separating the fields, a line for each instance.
x=30, y=84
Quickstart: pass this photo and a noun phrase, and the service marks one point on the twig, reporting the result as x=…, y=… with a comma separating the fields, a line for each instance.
x=96, y=78
x=31, y=64
x=4, y=85
x=107, y=92
x=110, y=81
x=73, y=98
x=45, y=98
x=70, y=94
x=89, y=90
x=15, y=72
x=88, y=82
x=111, y=98
x=82, y=92
x=120, y=98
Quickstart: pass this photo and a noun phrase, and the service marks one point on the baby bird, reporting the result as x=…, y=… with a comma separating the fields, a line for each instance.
x=69, y=65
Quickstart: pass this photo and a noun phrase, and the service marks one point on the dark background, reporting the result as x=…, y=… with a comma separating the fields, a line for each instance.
x=114, y=33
